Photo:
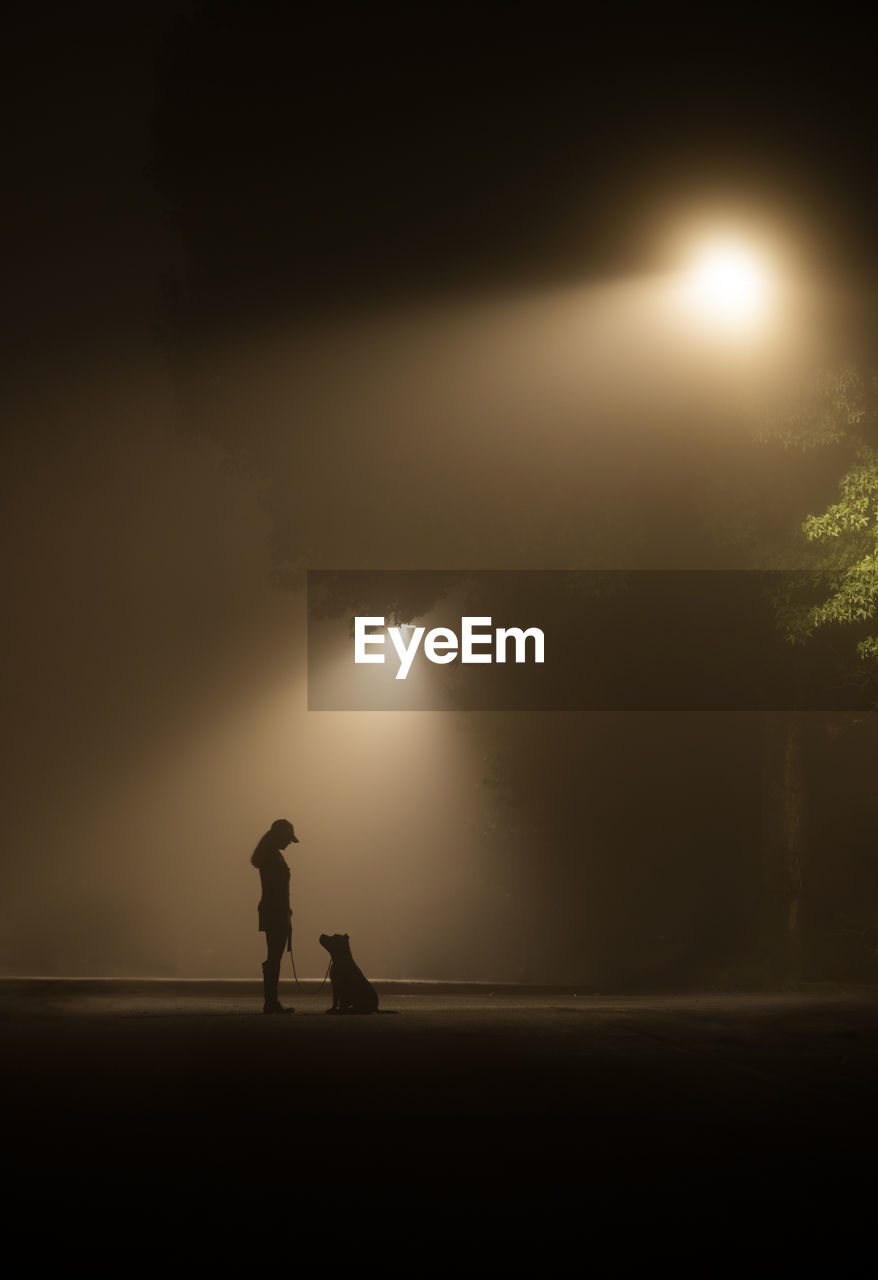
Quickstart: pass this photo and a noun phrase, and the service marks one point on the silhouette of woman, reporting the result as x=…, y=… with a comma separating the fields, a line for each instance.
x=275, y=914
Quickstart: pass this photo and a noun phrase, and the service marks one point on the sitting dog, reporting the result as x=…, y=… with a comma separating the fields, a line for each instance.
x=351, y=990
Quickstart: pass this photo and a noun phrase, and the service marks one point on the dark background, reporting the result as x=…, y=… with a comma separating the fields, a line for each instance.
x=218, y=223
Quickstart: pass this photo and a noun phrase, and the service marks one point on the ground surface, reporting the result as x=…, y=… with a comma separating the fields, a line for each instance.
x=574, y=1113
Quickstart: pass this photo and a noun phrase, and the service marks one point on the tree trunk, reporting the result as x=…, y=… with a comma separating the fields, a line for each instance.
x=785, y=844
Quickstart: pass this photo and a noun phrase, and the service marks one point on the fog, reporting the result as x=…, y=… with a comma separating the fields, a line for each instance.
x=216, y=385
x=156, y=639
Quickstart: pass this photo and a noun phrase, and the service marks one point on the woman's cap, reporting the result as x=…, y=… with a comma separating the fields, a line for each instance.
x=283, y=826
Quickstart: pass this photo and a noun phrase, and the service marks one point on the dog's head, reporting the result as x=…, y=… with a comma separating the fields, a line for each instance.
x=337, y=944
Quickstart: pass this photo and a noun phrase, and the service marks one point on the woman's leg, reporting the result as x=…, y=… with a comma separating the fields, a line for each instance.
x=271, y=970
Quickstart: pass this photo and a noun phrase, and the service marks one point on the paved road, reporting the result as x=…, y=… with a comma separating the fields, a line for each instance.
x=542, y=1108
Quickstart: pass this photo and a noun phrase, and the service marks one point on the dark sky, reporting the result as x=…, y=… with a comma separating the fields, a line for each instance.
x=338, y=152
x=219, y=222
x=334, y=152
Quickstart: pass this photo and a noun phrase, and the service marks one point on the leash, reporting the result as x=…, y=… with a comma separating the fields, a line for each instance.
x=296, y=977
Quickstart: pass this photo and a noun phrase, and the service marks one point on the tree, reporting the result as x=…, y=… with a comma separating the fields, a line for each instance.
x=840, y=547
x=845, y=535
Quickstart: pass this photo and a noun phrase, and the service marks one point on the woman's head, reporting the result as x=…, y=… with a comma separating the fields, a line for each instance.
x=282, y=831
x=277, y=837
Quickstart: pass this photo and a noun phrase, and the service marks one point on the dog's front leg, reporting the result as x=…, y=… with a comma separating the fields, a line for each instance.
x=335, y=1007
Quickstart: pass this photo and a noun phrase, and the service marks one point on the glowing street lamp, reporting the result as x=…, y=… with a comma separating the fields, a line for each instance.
x=728, y=285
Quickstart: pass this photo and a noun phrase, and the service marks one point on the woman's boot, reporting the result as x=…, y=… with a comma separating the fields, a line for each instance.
x=270, y=977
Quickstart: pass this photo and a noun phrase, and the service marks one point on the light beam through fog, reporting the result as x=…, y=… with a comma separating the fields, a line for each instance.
x=526, y=432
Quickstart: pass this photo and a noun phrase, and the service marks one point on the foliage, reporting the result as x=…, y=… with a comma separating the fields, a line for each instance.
x=830, y=409
x=844, y=537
